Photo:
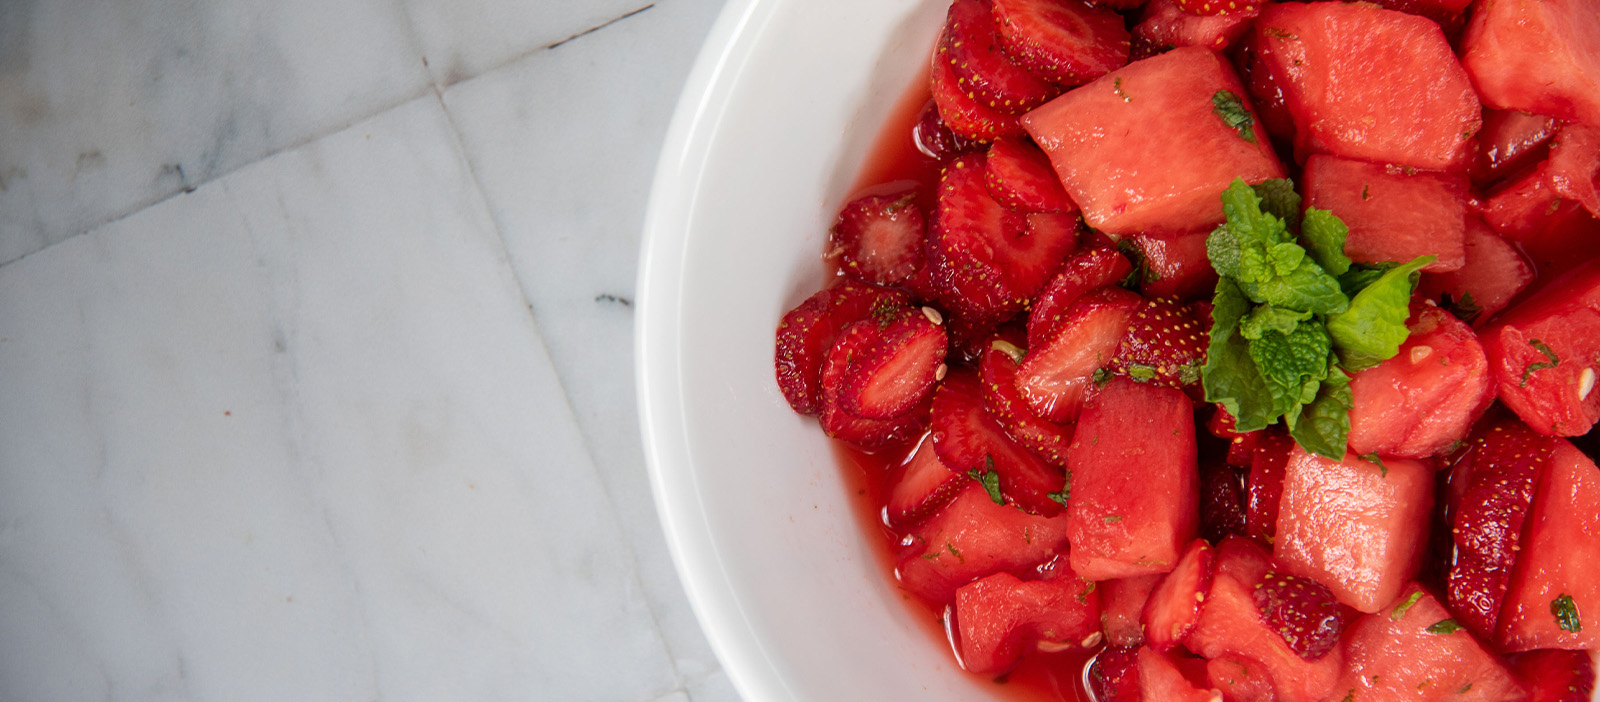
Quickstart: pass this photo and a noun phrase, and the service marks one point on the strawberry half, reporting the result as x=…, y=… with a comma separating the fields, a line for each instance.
x=998, y=369
x=1054, y=376
x=1113, y=676
x=808, y=331
x=1068, y=42
x=1495, y=479
x=1021, y=178
x=1221, y=501
x=987, y=261
x=1174, y=606
x=879, y=238
x=898, y=369
x=1219, y=7
x=840, y=424
x=969, y=441
x=920, y=487
x=1555, y=675
x=1164, y=345
x=1083, y=271
x=933, y=137
x=1265, y=488
x=966, y=117
x=1302, y=611
x=971, y=46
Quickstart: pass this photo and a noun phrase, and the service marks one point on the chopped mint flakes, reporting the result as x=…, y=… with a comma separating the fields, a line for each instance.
x=990, y=479
x=1566, y=613
x=1293, y=314
x=1231, y=109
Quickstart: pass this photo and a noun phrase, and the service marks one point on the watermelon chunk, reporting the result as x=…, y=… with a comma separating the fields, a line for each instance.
x=1135, y=492
x=1575, y=165
x=1162, y=680
x=1494, y=273
x=1545, y=352
x=1394, y=213
x=1509, y=142
x=1144, y=149
x=973, y=537
x=1354, y=526
x=1409, y=652
x=1536, y=56
x=1239, y=681
x=1000, y=617
x=1553, y=599
x=1122, y=605
x=1425, y=398
x=1369, y=83
x=1231, y=626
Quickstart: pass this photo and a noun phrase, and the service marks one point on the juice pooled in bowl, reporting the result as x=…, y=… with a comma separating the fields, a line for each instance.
x=1210, y=349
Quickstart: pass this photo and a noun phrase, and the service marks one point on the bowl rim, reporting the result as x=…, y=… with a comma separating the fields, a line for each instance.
x=657, y=344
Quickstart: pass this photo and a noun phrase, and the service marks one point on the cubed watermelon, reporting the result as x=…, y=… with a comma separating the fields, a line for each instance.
x=1394, y=213
x=1369, y=83
x=1135, y=488
x=1150, y=147
x=973, y=537
x=1528, y=206
x=1412, y=651
x=1423, y=400
x=1357, y=526
x=1239, y=681
x=1162, y=680
x=1122, y=606
x=1536, y=56
x=1509, y=142
x=998, y=618
x=1545, y=351
x=1574, y=170
x=1553, y=600
x=1494, y=273
x=1231, y=626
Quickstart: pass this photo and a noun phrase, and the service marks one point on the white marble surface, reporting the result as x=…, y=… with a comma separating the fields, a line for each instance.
x=315, y=351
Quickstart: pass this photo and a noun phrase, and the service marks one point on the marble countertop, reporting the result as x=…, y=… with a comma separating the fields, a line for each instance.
x=316, y=371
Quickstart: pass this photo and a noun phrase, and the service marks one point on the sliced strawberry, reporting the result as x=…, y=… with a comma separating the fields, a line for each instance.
x=1219, y=7
x=808, y=331
x=879, y=238
x=1066, y=41
x=971, y=45
x=998, y=369
x=933, y=137
x=857, y=341
x=1172, y=265
x=1021, y=178
x=969, y=441
x=1083, y=271
x=999, y=618
x=966, y=117
x=1054, y=376
x=1241, y=447
x=1555, y=676
x=1174, y=606
x=1509, y=142
x=1113, y=675
x=1221, y=501
x=987, y=260
x=1272, y=447
x=1122, y=603
x=973, y=537
x=1164, y=345
x=1302, y=611
x=897, y=371
x=1495, y=479
x=920, y=487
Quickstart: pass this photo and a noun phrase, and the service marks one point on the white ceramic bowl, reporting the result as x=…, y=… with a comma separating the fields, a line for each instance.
x=773, y=127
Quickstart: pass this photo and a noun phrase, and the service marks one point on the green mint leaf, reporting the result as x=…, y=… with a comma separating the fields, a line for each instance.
x=1231, y=109
x=1256, y=249
x=1323, y=236
x=1375, y=459
x=1279, y=199
x=1292, y=364
x=1361, y=275
x=1266, y=318
x=1372, y=330
x=1061, y=496
x=1324, y=424
x=1111, y=518
x=1545, y=349
x=990, y=479
x=1444, y=626
x=1223, y=249
x=1230, y=377
x=1401, y=609
x=1100, y=377
x=1566, y=613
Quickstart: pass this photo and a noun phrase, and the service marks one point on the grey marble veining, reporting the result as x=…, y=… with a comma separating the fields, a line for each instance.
x=315, y=336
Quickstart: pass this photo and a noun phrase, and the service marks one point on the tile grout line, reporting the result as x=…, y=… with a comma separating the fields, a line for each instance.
x=566, y=396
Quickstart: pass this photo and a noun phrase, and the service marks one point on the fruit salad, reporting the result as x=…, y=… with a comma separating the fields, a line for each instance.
x=1233, y=350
